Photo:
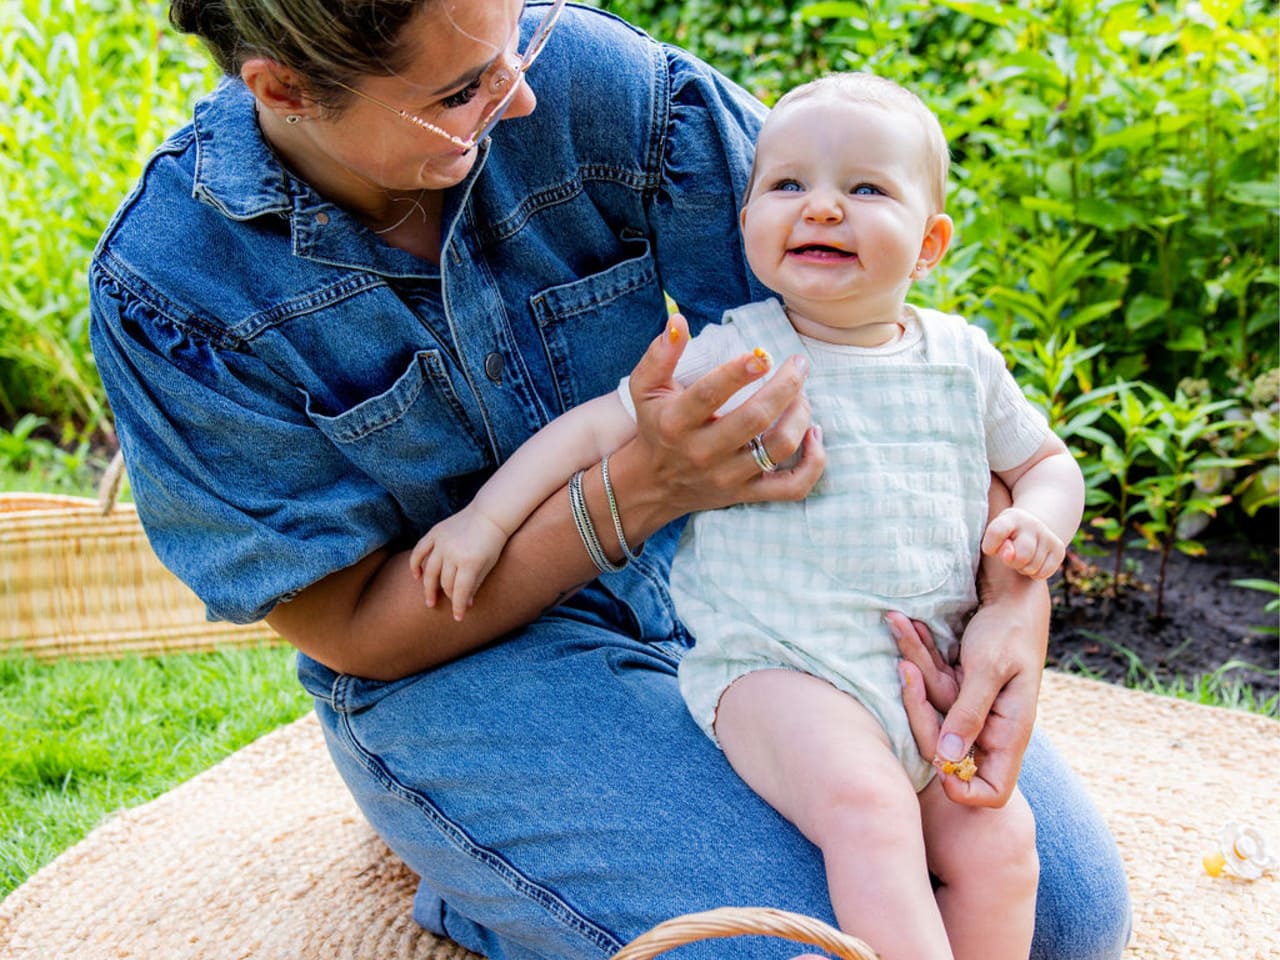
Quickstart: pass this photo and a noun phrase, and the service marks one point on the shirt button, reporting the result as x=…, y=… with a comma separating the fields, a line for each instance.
x=493, y=365
x=322, y=218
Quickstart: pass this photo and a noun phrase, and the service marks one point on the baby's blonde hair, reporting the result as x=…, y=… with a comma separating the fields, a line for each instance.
x=881, y=92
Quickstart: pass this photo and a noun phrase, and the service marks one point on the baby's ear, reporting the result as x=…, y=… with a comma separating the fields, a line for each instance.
x=937, y=238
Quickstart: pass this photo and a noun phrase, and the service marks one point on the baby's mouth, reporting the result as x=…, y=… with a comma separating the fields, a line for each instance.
x=821, y=251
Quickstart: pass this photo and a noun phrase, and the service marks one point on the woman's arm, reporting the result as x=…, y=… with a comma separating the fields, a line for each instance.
x=457, y=554
x=369, y=619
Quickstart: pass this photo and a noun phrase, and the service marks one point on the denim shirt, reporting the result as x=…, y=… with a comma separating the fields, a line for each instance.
x=291, y=393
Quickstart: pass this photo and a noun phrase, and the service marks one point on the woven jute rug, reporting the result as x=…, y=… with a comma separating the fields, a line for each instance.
x=264, y=856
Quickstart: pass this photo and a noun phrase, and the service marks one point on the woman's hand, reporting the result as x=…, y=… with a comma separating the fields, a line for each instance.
x=693, y=459
x=989, y=697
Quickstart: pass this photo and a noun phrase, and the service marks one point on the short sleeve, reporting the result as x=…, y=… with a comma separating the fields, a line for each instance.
x=240, y=495
x=1014, y=428
x=711, y=125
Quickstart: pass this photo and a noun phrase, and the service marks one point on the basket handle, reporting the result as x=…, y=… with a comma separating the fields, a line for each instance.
x=732, y=921
x=109, y=485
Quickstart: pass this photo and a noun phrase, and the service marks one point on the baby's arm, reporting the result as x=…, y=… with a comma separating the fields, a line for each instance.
x=1048, y=499
x=457, y=554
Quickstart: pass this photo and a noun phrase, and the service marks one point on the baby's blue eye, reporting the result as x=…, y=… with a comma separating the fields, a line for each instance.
x=788, y=186
x=866, y=190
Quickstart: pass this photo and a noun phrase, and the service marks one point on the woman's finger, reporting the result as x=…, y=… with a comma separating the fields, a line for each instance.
x=656, y=368
x=797, y=479
x=916, y=645
x=922, y=717
x=769, y=405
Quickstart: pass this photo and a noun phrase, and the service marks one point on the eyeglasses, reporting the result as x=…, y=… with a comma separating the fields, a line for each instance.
x=504, y=83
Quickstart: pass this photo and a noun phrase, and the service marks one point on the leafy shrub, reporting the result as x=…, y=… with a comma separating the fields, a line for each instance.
x=89, y=89
x=1115, y=192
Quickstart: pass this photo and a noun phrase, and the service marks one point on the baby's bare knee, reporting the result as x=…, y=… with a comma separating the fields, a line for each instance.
x=1003, y=848
x=876, y=806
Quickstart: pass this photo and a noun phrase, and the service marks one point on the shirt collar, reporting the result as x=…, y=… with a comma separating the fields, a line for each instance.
x=238, y=174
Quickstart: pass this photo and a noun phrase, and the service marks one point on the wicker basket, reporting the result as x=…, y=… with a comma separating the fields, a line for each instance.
x=78, y=582
x=735, y=921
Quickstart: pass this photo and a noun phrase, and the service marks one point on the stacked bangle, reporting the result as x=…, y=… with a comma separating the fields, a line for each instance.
x=613, y=512
x=587, y=529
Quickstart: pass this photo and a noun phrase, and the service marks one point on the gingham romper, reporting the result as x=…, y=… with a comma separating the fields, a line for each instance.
x=894, y=524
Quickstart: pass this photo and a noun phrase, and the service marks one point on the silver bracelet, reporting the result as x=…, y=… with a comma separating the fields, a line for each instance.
x=613, y=511
x=587, y=529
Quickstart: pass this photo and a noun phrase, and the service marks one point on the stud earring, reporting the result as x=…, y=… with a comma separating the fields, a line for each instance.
x=292, y=118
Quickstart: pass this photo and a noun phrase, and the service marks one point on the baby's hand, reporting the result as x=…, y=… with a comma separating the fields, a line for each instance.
x=455, y=556
x=1022, y=541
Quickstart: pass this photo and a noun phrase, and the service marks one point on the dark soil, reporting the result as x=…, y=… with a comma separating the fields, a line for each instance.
x=1206, y=623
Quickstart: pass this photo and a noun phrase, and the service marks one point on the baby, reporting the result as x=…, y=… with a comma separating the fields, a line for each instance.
x=794, y=672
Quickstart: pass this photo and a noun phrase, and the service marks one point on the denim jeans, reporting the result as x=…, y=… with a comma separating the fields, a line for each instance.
x=557, y=800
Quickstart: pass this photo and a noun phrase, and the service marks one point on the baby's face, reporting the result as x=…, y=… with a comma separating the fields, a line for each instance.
x=839, y=204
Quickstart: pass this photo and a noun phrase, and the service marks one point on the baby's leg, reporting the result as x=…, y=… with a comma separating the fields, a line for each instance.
x=986, y=862
x=820, y=759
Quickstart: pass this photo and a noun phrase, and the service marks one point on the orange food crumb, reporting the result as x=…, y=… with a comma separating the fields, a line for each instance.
x=964, y=768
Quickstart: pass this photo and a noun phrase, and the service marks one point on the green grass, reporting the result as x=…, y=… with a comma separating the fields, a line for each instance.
x=1221, y=688
x=80, y=741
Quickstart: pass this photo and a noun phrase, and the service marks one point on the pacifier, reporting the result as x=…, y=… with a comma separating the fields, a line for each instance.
x=1242, y=852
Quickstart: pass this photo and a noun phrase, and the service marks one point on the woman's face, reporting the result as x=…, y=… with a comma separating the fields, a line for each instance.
x=455, y=45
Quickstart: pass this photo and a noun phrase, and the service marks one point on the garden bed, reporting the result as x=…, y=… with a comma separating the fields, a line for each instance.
x=1208, y=622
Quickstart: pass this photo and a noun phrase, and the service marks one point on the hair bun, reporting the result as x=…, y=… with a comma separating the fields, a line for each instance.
x=211, y=22
x=190, y=15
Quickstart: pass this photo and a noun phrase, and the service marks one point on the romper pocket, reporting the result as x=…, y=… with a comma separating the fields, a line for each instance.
x=888, y=519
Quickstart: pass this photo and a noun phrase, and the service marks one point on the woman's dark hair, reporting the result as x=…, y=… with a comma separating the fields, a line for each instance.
x=327, y=42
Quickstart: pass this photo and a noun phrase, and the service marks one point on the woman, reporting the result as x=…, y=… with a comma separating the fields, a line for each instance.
x=344, y=294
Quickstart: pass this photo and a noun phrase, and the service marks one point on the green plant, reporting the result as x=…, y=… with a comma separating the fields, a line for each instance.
x=1155, y=127
x=1110, y=475
x=1177, y=437
x=1220, y=688
x=89, y=88
x=1053, y=280
x=35, y=461
x=18, y=448
x=1273, y=605
x=1255, y=437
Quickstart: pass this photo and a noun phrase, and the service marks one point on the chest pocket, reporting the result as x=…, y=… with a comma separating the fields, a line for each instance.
x=900, y=507
x=415, y=439
x=596, y=328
